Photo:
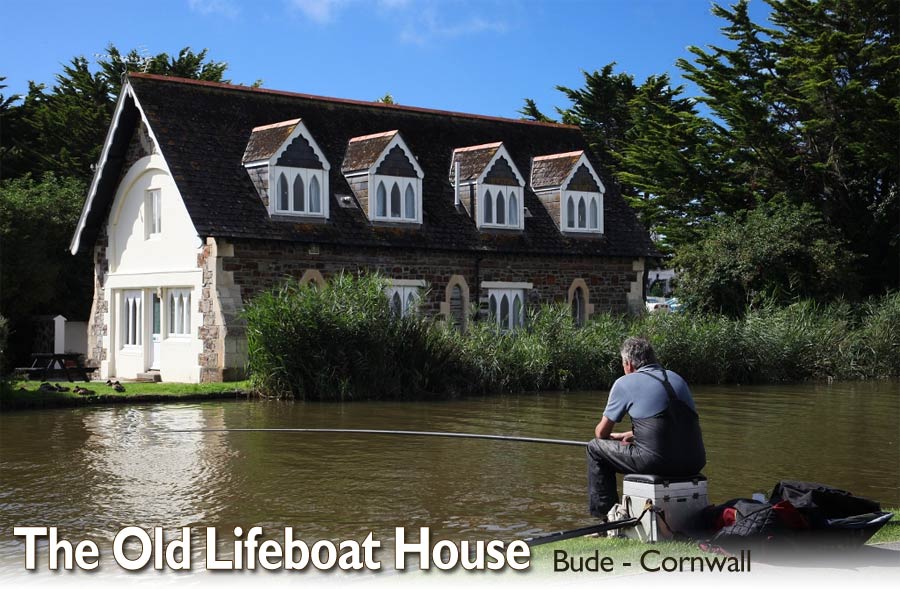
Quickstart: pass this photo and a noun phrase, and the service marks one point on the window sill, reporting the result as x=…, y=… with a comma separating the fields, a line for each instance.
x=295, y=217
x=394, y=222
x=132, y=350
x=500, y=228
x=581, y=232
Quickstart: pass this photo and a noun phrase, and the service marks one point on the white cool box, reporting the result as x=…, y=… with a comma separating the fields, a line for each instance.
x=679, y=498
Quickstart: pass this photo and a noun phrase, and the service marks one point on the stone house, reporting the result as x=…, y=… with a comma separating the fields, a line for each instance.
x=206, y=194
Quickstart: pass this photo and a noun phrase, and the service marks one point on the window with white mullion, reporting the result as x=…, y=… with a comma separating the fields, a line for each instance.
x=299, y=191
x=404, y=300
x=131, y=318
x=506, y=307
x=583, y=211
x=179, y=301
x=153, y=213
x=501, y=206
x=397, y=198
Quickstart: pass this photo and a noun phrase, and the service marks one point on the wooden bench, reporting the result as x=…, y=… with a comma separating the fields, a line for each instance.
x=46, y=366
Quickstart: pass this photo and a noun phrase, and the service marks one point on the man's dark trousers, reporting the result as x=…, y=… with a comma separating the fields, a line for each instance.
x=604, y=459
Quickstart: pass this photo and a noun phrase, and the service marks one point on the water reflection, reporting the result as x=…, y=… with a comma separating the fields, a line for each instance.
x=92, y=471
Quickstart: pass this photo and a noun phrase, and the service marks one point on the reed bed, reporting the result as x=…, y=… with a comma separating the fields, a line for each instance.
x=343, y=343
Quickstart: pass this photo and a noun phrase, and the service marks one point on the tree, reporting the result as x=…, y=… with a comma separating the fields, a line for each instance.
x=51, y=139
x=810, y=110
x=652, y=141
x=663, y=158
x=37, y=274
x=776, y=252
x=386, y=99
x=62, y=129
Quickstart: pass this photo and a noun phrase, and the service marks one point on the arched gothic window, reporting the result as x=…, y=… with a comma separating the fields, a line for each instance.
x=410, y=203
x=315, y=196
x=381, y=201
x=283, y=202
x=395, y=200
x=299, y=204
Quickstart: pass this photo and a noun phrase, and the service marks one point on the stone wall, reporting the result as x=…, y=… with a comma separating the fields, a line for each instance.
x=236, y=272
x=98, y=322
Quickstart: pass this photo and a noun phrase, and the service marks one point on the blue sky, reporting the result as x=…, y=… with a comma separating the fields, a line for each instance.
x=481, y=56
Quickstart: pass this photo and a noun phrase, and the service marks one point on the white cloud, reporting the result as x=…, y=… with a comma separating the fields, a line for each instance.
x=320, y=11
x=225, y=8
x=428, y=26
x=416, y=21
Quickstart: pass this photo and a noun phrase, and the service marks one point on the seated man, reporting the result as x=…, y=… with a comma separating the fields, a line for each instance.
x=665, y=437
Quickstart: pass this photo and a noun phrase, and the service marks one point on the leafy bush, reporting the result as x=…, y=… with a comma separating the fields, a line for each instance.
x=777, y=252
x=342, y=342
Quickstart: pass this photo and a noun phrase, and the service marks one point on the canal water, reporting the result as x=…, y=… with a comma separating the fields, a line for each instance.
x=91, y=471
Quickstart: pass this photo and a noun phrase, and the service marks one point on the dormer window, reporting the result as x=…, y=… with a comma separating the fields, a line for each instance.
x=289, y=170
x=385, y=177
x=299, y=191
x=571, y=190
x=490, y=186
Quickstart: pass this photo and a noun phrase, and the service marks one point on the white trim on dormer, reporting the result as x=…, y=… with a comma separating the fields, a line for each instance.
x=513, y=217
x=403, y=185
x=501, y=152
x=395, y=141
x=583, y=160
x=305, y=176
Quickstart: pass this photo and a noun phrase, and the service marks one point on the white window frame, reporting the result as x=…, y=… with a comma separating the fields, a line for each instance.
x=495, y=293
x=482, y=187
x=402, y=183
x=410, y=293
x=132, y=320
x=178, y=318
x=291, y=174
x=153, y=213
x=507, y=191
x=576, y=196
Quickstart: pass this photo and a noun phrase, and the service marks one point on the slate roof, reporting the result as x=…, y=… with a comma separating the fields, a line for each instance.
x=266, y=139
x=203, y=130
x=363, y=151
x=549, y=171
x=472, y=160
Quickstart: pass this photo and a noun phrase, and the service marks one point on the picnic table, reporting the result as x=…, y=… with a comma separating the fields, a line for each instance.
x=46, y=365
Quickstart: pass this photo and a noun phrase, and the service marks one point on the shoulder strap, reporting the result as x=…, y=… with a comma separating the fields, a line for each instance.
x=670, y=391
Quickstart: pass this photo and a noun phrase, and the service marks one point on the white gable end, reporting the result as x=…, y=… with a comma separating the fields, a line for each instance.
x=135, y=245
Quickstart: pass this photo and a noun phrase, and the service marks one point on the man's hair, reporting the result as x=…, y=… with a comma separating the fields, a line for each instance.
x=638, y=352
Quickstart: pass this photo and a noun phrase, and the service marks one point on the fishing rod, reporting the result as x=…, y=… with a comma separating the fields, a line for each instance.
x=388, y=432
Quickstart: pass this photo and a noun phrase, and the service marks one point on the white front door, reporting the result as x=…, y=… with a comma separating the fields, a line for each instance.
x=155, y=332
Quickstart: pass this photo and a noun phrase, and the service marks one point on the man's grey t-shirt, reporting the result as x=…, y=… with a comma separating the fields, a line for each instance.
x=641, y=395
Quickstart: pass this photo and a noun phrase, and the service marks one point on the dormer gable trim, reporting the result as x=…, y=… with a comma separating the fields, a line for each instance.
x=578, y=158
x=298, y=137
x=501, y=154
x=389, y=151
x=583, y=161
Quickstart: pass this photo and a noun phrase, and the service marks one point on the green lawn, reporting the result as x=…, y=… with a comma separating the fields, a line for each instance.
x=25, y=394
x=623, y=550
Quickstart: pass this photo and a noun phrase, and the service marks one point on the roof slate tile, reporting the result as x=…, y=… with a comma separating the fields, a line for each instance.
x=204, y=129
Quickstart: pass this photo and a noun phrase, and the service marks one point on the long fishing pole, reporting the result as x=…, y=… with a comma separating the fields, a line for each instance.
x=387, y=432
